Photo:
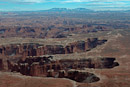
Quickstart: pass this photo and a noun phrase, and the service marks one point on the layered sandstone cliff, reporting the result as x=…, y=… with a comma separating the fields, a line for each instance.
x=32, y=49
x=29, y=59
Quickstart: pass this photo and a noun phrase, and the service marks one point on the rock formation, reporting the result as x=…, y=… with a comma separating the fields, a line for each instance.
x=64, y=68
x=29, y=59
x=33, y=49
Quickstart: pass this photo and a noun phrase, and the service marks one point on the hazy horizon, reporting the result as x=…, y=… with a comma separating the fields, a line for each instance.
x=34, y=5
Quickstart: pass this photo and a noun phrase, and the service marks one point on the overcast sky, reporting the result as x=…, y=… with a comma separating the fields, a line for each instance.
x=31, y=5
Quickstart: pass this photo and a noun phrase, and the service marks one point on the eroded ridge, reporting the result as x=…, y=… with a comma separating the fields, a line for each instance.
x=64, y=68
x=35, y=49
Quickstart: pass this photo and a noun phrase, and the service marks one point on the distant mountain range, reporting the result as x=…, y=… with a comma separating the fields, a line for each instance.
x=81, y=10
x=68, y=10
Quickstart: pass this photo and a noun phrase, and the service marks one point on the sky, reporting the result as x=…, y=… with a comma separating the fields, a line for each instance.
x=33, y=5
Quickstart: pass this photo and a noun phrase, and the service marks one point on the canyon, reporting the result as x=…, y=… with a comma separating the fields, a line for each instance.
x=29, y=59
x=65, y=49
x=83, y=63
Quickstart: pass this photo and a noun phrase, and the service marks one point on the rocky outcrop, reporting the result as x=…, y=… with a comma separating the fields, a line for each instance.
x=82, y=46
x=79, y=46
x=18, y=49
x=64, y=68
x=48, y=67
x=32, y=49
